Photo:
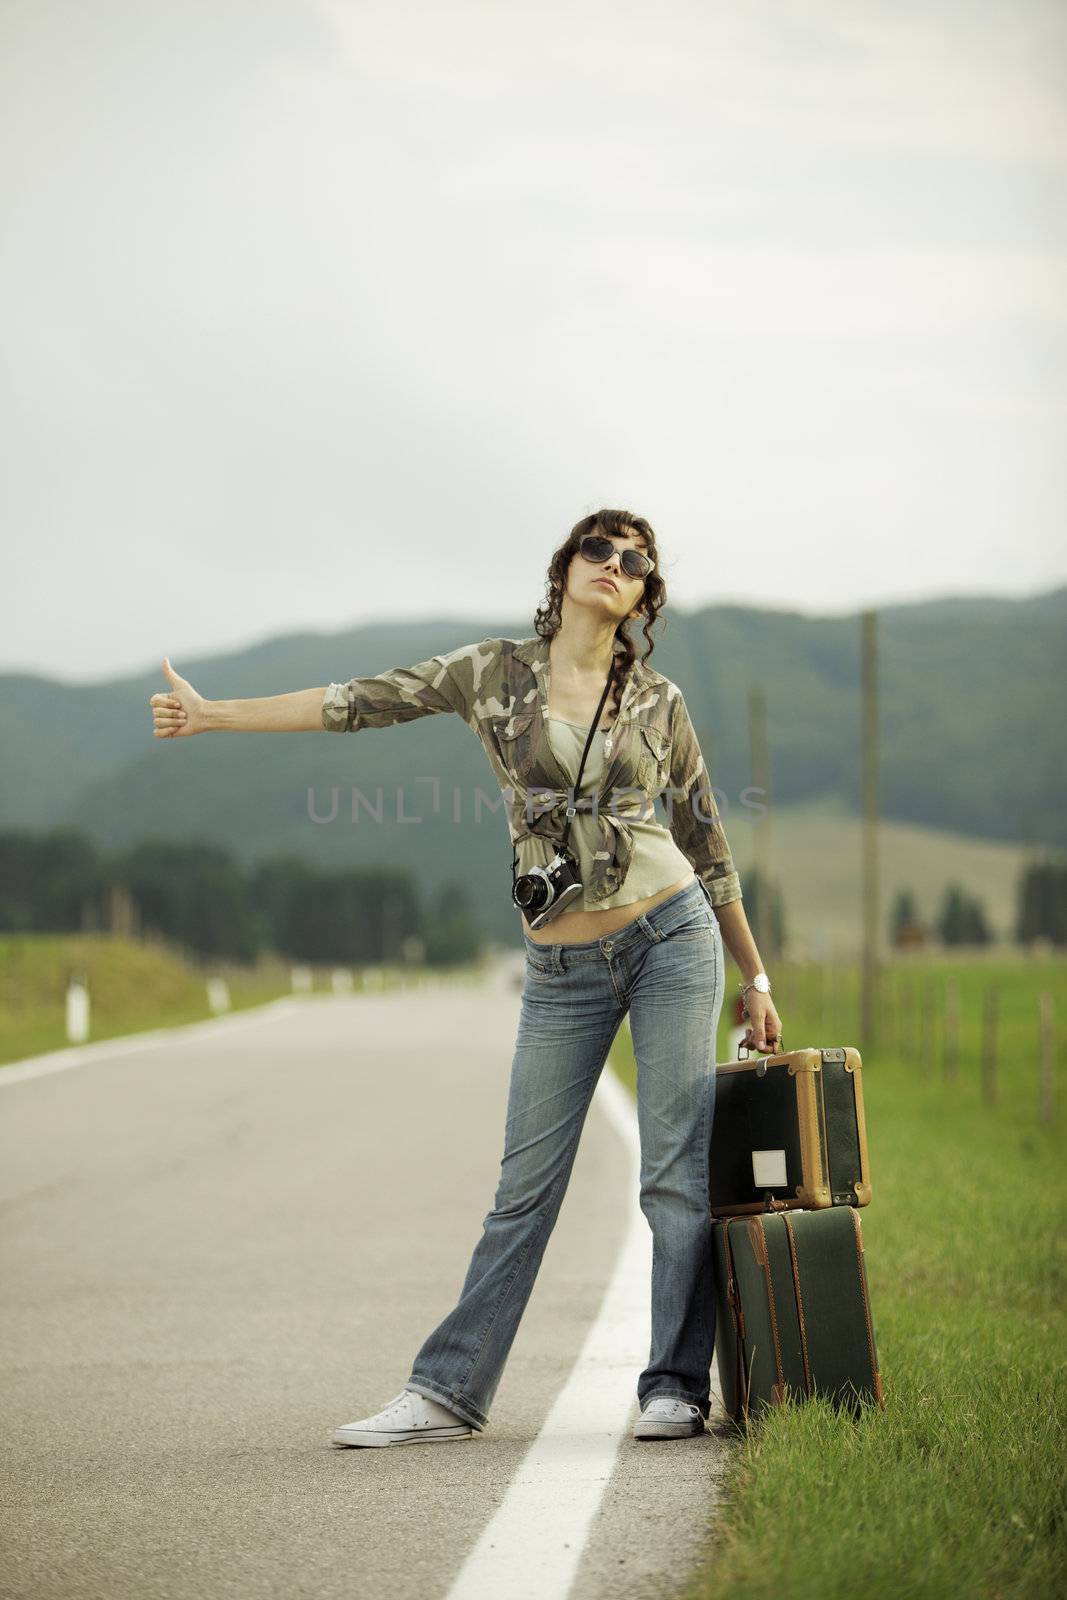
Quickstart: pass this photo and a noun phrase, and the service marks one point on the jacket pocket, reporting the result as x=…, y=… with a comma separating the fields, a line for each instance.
x=511, y=740
x=653, y=755
x=513, y=726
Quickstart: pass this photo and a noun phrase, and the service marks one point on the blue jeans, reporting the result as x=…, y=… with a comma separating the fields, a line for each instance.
x=666, y=969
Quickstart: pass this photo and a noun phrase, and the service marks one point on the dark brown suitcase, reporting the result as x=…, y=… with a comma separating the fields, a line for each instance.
x=789, y=1131
x=793, y=1311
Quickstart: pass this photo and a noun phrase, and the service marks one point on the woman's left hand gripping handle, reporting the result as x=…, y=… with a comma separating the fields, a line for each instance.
x=765, y=1025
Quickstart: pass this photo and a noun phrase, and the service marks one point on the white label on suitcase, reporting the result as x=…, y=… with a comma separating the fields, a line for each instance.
x=768, y=1169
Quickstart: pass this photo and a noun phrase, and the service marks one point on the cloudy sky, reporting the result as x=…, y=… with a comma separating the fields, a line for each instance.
x=316, y=310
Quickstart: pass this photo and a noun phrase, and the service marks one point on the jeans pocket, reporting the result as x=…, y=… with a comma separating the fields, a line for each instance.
x=703, y=924
x=540, y=968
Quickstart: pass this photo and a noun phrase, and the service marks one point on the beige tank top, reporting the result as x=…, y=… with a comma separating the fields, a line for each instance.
x=657, y=861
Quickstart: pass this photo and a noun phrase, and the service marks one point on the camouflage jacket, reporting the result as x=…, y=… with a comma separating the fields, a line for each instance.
x=500, y=689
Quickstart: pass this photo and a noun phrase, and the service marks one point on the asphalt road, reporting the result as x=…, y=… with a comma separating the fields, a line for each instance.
x=217, y=1247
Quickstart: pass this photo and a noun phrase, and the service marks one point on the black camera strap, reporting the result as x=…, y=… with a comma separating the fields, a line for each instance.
x=593, y=726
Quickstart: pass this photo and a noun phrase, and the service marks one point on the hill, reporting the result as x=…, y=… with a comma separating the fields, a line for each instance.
x=972, y=739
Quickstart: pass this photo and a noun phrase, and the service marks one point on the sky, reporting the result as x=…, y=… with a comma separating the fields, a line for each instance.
x=317, y=313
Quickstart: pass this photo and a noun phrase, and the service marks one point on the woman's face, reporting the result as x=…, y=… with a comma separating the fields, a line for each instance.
x=603, y=586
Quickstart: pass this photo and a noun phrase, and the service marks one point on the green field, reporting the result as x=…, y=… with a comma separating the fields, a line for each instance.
x=958, y=1487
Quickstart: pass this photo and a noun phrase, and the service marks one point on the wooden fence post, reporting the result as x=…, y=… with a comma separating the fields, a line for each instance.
x=1046, y=1014
x=950, y=1056
x=990, y=1012
x=889, y=1002
x=915, y=992
x=906, y=1028
x=927, y=1027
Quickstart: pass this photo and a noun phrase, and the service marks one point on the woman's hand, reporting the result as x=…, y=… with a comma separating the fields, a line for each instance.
x=764, y=1023
x=179, y=711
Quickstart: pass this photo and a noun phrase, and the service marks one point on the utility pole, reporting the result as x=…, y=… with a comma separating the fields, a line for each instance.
x=761, y=842
x=871, y=894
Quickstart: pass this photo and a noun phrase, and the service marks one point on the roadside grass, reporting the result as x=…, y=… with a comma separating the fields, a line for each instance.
x=960, y=1486
x=134, y=987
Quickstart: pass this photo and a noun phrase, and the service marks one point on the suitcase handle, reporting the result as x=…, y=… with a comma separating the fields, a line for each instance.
x=775, y=1050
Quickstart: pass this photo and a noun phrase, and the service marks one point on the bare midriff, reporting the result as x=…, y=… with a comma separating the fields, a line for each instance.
x=579, y=927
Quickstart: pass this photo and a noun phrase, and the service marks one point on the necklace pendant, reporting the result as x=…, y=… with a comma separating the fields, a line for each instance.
x=607, y=745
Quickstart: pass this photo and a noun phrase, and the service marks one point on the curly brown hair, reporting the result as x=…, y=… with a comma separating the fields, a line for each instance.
x=548, y=617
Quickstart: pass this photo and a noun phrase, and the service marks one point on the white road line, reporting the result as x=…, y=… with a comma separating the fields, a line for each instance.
x=81, y=1055
x=531, y=1548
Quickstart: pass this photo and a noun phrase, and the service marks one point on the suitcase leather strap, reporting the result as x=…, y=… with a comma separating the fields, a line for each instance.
x=800, y=1302
x=763, y=1257
x=741, y=1381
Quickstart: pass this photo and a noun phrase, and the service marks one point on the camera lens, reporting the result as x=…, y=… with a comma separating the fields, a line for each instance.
x=530, y=893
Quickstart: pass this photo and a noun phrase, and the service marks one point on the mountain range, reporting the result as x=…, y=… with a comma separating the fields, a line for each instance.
x=971, y=732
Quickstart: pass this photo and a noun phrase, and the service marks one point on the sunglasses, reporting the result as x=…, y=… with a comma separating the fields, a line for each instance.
x=596, y=547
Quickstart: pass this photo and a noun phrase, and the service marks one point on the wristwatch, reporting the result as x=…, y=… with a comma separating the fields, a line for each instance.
x=761, y=983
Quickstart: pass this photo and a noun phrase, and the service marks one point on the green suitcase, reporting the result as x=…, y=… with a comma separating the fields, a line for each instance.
x=793, y=1311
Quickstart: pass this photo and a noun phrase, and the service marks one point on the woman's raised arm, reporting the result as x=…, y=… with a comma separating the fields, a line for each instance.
x=459, y=681
x=179, y=712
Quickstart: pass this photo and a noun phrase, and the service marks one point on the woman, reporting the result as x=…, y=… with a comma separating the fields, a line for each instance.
x=642, y=934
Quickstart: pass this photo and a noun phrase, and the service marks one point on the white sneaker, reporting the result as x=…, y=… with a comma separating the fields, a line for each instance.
x=667, y=1417
x=409, y=1419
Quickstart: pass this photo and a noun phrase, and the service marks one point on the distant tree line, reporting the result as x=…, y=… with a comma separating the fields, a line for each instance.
x=1042, y=909
x=1040, y=912
x=196, y=895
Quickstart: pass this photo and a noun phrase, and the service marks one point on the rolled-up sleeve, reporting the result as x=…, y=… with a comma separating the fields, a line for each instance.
x=694, y=815
x=401, y=694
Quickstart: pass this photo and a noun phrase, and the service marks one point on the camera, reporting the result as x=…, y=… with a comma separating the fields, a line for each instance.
x=543, y=892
